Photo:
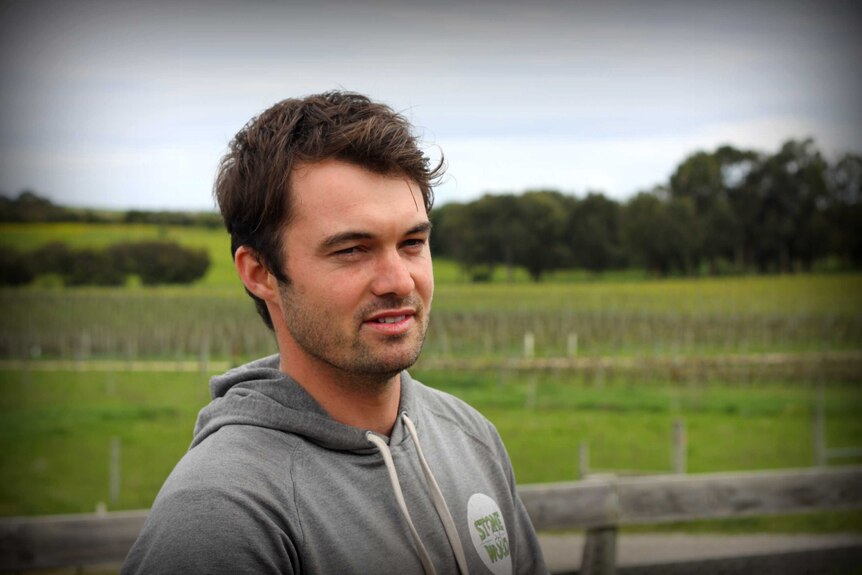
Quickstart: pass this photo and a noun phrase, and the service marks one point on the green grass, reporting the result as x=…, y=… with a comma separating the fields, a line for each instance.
x=649, y=318
x=56, y=430
x=628, y=427
x=799, y=294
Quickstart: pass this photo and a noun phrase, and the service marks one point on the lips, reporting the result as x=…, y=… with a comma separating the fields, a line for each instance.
x=391, y=322
x=391, y=316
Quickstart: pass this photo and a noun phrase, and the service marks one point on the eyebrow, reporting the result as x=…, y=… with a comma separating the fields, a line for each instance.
x=352, y=236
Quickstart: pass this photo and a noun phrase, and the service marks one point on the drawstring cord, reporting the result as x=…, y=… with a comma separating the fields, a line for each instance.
x=436, y=497
x=396, y=487
x=439, y=501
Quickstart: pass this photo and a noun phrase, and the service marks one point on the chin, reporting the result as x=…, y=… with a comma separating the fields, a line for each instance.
x=393, y=364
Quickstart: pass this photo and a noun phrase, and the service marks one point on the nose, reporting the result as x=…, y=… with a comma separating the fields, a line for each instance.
x=392, y=275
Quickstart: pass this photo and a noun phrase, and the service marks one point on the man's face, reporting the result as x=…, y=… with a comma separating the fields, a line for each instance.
x=361, y=282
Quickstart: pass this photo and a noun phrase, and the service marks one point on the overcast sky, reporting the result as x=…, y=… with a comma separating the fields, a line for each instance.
x=127, y=104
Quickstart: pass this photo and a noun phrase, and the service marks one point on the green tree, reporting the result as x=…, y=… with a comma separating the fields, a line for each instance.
x=159, y=262
x=712, y=182
x=30, y=207
x=89, y=266
x=458, y=234
x=722, y=236
x=592, y=233
x=792, y=192
x=661, y=235
x=16, y=268
x=507, y=230
x=486, y=233
x=539, y=246
x=53, y=258
x=844, y=215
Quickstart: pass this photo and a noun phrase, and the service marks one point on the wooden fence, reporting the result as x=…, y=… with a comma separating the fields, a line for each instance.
x=600, y=505
x=603, y=504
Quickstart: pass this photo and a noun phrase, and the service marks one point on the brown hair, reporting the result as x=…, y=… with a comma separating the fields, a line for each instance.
x=253, y=182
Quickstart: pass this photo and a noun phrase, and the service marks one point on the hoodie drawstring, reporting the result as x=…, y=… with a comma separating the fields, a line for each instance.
x=439, y=501
x=436, y=498
x=396, y=487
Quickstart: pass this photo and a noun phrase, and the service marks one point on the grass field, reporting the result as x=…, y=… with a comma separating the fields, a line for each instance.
x=56, y=428
x=649, y=318
x=622, y=314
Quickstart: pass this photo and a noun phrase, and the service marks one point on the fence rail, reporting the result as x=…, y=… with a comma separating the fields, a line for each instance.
x=29, y=543
x=839, y=361
x=600, y=505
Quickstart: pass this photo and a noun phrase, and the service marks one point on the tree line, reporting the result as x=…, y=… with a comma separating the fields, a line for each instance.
x=153, y=262
x=726, y=211
x=29, y=207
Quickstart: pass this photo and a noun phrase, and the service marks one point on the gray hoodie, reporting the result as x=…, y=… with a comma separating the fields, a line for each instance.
x=272, y=484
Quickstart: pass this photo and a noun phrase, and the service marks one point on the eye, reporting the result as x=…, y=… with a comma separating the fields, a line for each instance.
x=347, y=252
x=414, y=243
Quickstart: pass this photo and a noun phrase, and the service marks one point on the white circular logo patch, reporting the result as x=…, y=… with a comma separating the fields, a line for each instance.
x=488, y=532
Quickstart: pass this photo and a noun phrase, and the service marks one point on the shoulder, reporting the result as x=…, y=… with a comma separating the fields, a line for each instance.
x=245, y=448
x=233, y=478
x=205, y=529
x=455, y=414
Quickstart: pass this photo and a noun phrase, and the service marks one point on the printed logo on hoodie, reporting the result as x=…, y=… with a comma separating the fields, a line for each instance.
x=489, y=535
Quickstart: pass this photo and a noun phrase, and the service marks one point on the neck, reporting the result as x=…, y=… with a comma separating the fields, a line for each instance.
x=365, y=402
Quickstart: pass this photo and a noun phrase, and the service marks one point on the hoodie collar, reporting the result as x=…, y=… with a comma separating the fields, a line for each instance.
x=258, y=394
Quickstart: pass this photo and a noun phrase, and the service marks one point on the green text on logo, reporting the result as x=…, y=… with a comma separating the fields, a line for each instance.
x=493, y=536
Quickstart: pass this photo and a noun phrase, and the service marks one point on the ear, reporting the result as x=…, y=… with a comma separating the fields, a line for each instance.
x=255, y=275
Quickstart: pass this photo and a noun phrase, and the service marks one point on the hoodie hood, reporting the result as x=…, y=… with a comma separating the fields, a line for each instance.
x=259, y=394
x=302, y=492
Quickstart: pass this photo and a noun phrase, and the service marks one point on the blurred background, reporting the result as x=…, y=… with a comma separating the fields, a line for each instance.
x=647, y=244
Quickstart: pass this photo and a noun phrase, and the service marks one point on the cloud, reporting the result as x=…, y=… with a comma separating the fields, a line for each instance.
x=574, y=95
x=618, y=166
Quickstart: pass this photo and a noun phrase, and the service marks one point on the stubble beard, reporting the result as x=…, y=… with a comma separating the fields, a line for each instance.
x=351, y=355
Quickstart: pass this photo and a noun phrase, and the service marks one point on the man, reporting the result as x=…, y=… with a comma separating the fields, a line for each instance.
x=328, y=457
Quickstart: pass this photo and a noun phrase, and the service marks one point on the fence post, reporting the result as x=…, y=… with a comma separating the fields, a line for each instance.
x=529, y=345
x=583, y=459
x=446, y=348
x=819, y=427
x=205, y=358
x=114, y=495
x=679, y=447
x=127, y=353
x=600, y=552
x=504, y=367
x=532, y=391
x=600, y=543
x=83, y=350
x=487, y=343
x=572, y=344
x=599, y=377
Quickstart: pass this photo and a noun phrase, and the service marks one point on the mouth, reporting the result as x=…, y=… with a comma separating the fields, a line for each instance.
x=393, y=322
x=390, y=319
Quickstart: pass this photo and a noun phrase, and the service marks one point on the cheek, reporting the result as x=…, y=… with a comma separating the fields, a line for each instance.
x=343, y=290
x=425, y=282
